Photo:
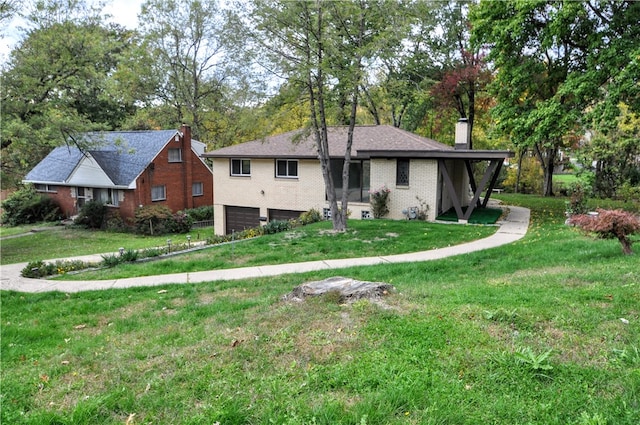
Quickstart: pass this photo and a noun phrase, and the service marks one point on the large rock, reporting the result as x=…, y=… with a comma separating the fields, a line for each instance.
x=347, y=289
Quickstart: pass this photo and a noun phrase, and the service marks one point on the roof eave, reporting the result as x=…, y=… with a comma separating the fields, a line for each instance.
x=440, y=154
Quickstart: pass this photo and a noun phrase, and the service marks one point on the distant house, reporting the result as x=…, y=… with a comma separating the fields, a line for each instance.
x=279, y=177
x=127, y=170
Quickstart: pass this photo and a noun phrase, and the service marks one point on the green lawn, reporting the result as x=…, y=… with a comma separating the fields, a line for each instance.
x=542, y=331
x=50, y=242
x=317, y=241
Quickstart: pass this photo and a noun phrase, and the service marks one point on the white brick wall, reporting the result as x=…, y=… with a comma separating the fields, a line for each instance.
x=263, y=190
x=423, y=183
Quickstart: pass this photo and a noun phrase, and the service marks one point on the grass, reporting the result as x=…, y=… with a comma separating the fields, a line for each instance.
x=529, y=333
x=478, y=215
x=308, y=243
x=67, y=241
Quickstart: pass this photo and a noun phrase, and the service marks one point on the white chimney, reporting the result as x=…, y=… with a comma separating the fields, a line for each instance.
x=463, y=135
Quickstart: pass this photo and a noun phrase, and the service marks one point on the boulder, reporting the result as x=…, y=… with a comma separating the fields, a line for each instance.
x=347, y=289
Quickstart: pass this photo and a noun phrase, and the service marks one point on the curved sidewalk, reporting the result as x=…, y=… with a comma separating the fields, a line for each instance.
x=512, y=228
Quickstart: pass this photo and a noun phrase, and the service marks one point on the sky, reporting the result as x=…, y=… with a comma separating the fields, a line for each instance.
x=124, y=12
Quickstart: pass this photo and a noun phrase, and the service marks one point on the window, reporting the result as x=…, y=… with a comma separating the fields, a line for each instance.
x=402, y=172
x=359, y=179
x=175, y=155
x=240, y=167
x=158, y=193
x=107, y=196
x=286, y=168
x=46, y=188
x=196, y=189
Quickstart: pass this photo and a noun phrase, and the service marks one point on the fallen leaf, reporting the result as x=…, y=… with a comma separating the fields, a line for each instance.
x=65, y=362
x=44, y=378
x=80, y=326
x=162, y=291
x=130, y=419
x=236, y=342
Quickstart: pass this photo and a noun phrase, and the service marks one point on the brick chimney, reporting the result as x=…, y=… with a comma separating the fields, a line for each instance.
x=463, y=135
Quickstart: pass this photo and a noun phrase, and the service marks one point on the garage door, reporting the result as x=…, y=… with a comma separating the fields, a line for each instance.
x=239, y=218
x=284, y=214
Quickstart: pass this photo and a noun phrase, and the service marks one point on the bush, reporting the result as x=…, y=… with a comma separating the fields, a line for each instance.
x=180, y=223
x=92, y=215
x=159, y=220
x=380, y=202
x=609, y=224
x=39, y=269
x=27, y=206
x=200, y=213
x=276, y=226
x=311, y=216
x=577, y=203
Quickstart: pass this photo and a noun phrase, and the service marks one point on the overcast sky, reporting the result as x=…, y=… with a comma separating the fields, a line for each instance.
x=124, y=12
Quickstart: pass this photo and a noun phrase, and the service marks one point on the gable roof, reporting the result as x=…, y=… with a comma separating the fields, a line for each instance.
x=122, y=155
x=301, y=144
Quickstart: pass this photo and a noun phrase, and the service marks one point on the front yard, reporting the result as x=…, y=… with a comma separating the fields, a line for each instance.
x=542, y=331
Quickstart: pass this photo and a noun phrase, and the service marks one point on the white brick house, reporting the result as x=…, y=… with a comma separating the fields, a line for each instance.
x=279, y=177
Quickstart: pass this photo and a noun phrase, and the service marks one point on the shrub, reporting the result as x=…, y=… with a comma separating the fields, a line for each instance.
x=27, y=206
x=92, y=215
x=609, y=224
x=151, y=219
x=276, y=226
x=114, y=222
x=577, y=203
x=180, y=222
x=200, y=213
x=379, y=201
x=311, y=216
x=39, y=269
x=159, y=220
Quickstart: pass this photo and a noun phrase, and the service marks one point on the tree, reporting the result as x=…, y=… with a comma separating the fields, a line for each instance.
x=60, y=81
x=193, y=45
x=615, y=153
x=322, y=47
x=554, y=61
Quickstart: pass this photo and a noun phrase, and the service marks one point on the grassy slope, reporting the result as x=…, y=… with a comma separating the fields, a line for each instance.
x=444, y=349
x=314, y=242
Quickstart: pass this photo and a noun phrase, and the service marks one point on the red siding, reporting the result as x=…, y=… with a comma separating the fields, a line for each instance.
x=177, y=177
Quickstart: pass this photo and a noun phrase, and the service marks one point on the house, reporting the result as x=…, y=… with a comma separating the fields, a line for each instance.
x=279, y=177
x=127, y=170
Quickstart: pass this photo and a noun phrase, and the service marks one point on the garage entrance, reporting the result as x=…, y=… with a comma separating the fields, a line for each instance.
x=239, y=218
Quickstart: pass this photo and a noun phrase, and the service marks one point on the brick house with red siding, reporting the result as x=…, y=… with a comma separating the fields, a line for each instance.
x=127, y=170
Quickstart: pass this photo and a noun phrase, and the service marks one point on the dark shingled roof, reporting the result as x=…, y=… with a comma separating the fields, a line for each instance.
x=123, y=155
x=366, y=141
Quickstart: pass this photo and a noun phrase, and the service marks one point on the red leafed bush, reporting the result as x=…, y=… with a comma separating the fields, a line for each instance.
x=610, y=224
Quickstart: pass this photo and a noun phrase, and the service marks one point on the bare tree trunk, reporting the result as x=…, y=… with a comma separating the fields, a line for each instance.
x=547, y=160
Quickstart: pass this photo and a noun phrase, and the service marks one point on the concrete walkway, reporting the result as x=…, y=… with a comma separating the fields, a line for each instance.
x=513, y=227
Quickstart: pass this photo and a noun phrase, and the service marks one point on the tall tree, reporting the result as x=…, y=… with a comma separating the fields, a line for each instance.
x=59, y=82
x=322, y=47
x=192, y=42
x=554, y=60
